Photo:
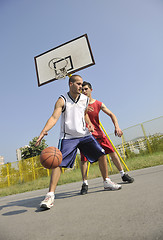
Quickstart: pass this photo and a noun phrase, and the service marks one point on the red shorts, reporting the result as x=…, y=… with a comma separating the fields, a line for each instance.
x=105, y=144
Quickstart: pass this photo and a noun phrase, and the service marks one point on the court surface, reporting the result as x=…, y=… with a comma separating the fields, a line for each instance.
x=132, y=213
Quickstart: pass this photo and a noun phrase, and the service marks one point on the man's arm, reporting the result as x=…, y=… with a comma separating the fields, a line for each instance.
x=118, y=131
x=88, y=121
x=52, y=120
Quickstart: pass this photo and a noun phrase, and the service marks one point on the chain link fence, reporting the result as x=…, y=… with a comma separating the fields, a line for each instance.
x=141, y=138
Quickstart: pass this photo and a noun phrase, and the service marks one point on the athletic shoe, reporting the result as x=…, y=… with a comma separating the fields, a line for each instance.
x=109, y=185
x=127, y=178
x=84, y=189
x=48, y=202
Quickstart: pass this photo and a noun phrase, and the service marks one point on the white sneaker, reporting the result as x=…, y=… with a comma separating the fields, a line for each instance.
x=48, y=202
x=109, y=185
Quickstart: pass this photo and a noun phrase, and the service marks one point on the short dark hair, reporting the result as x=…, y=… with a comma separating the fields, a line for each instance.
x=87, y=83
x=73, y=78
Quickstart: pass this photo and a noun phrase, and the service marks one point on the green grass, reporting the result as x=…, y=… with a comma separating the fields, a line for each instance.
x=69, y=176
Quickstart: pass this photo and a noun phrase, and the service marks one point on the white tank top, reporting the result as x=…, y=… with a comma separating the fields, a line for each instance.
x=72, y=118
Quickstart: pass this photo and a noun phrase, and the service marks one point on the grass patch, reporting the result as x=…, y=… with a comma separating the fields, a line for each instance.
x=69, y=176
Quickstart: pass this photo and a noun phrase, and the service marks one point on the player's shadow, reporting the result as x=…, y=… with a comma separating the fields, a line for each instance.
x=69, y=194
x=34, y=202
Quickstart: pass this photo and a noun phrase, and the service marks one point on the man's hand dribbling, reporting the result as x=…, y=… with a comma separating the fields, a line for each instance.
x=40, y=138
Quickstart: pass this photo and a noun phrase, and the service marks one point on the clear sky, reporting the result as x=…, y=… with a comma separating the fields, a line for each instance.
x=126, y=37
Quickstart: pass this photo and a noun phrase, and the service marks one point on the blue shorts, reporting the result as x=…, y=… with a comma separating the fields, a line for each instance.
x=87, y=145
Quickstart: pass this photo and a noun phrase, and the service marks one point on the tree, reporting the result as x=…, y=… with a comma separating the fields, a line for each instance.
x=32, y=150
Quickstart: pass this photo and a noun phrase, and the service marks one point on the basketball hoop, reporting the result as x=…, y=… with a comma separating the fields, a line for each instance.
x=59, y=66
x=64, y=60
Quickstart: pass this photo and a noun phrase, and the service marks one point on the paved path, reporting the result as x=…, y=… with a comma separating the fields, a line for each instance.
x=133, y=213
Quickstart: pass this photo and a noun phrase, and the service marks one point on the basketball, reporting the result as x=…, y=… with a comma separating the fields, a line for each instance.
x=51, y=157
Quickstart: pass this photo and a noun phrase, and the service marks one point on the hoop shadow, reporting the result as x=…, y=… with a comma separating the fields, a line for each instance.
x=27, y=203
x=14, y=212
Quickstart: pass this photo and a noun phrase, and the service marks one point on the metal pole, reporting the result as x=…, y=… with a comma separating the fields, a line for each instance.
x=148, y=144
x=114, y=147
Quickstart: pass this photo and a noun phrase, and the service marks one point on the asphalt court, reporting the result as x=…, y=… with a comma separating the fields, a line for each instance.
x=134, y=212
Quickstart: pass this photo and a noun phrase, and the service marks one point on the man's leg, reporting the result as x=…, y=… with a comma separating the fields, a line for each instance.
x=56, y=173
x=49, y=198
x=105, y=143
x=84, y=167
x=92, y=149
x=117, y=163
x=103, y=166
x=68, y=147
x=108, y=184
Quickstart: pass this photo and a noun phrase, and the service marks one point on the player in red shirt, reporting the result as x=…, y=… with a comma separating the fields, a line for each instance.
x=94, y=108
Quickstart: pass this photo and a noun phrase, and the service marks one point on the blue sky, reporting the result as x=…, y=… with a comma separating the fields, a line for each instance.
x=126, y=38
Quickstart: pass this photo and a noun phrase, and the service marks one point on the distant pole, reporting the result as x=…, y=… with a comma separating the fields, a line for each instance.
x=148, y=144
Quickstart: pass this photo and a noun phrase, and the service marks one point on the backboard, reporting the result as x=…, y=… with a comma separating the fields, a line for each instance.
x=70, y=57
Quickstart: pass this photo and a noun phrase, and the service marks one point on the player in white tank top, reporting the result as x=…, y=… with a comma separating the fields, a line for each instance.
x=72, y=118
x=78, y=137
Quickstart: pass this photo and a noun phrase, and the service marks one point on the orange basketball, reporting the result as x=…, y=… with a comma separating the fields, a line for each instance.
x=51, y=157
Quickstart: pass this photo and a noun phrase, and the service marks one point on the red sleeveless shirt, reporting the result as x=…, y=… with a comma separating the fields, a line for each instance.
x=94, y=118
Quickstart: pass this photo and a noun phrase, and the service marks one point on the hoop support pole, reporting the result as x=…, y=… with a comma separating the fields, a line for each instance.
x=114, y=147
x=88, y=167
